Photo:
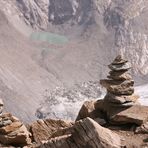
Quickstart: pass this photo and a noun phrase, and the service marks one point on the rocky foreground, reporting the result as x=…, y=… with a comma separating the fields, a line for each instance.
x=117, y=121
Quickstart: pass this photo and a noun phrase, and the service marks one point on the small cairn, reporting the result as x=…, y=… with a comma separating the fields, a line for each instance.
x=12, y=130
x=119, y=85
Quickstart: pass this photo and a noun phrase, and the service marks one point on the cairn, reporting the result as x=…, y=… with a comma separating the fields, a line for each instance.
x=119, y=85
x=12, y=130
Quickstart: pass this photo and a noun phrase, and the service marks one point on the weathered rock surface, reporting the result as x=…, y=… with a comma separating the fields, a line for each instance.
x=120, y=76
x=43, y=129
x=118, y=88
x=13, y=132
x=87, y=134
x=120, y=99
x=88, y=109
x=121, y=67
x=136, y=114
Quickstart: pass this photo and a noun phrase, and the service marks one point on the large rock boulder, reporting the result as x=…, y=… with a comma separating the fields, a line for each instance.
x=89, y=109
x=43, y=129
x=12, y=131
x=85, y=133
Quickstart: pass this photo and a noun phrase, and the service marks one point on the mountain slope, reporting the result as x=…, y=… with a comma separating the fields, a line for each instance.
x=96, y=31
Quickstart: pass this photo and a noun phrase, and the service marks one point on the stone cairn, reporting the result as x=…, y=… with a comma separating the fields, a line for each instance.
x=12, y=130
x=119, y=85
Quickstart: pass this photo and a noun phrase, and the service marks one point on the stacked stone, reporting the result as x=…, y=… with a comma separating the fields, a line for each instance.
x=12, y=131
x=119, y=85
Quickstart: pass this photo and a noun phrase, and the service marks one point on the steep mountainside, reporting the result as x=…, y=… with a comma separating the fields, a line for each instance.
x=95, y=32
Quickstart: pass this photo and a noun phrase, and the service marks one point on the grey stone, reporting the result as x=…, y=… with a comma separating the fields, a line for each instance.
x=120, y=67
x=5, y=123
x=120, y=99
x=119, y=60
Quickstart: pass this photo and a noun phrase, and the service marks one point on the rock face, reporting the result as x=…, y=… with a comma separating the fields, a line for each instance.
x=120, y=91
x=87, y=134
x=43, y=129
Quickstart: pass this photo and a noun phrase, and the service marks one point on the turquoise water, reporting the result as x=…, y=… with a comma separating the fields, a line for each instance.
x=49, y=37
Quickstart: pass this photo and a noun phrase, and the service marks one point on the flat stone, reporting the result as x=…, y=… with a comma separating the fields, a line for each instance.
x=126, y=104
x=118, y=87
x=10, y=128
x=120, y=67
x=120, y=99
x=120, y=76
x=119, y=60
x=136, y=115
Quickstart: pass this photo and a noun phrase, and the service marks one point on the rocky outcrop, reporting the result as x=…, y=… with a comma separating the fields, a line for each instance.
x=85, y=133
x=42, y=130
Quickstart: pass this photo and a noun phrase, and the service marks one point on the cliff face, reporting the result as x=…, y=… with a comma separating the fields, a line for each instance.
x=126, y=21
x=97, y=30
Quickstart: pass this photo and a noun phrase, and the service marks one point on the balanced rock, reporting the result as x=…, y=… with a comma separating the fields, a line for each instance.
x=119, y=85
x=12, y=131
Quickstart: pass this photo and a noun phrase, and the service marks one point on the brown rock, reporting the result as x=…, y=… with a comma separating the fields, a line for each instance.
x=120, y=99
x=119, y=87
x=119, y=76
x=89, y=110
x=10, y=128
x=43, y=129
x=136, y=114
x=19, y=137
x=85, y=133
